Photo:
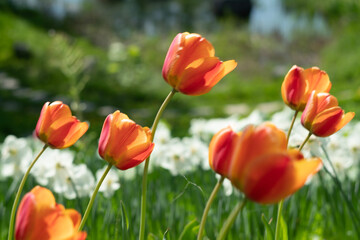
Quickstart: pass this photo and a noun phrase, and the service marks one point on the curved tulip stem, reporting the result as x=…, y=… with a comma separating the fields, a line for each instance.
x=277, y=229
x=207, y=207
x=144, y=181
x=231, y=219
x=305, y=141
x=91, y=202
x=291, y=127
x=17, y=197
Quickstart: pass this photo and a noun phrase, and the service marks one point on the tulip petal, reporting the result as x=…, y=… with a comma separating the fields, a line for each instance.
x=325, y=123
x=317, y=80
x=136, y=160
x=293, y=87
x=280, y=175
x=193, y=81
x=24, y=216
x=192, y=48
x=268, y=138
x=220, y=150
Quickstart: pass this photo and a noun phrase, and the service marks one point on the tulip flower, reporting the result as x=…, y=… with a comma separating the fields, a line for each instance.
x=40, y=217
x=57, y=127
x=191, y=67
x=299, y=83
x=123, y=143
x=258, y=163
x=322, y=115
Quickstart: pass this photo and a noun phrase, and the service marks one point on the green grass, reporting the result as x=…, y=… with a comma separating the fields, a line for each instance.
x=312, y=211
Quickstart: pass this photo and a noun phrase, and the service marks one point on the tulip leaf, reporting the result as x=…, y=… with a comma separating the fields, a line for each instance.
x=185, y=234
x=283, y=229
x=124, y=216
x=269, y=233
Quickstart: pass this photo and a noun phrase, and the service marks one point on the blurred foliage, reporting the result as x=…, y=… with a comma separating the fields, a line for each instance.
x=125, y=72
x=333, y=10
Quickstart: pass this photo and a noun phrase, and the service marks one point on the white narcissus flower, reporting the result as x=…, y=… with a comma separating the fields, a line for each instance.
x=163, y=134
x=111, y=182
x=283, y=118
x=197, y=152
x=82, y=180
x=53, y=167
x=172, y=157
x=16, y=156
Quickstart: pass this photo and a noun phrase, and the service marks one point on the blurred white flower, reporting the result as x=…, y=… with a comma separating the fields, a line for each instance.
x=283, y=118
x=173, y=156
x=162, y=134
x=53, y=165
x=16, y=156
x=82, y=180
x=111, y=182
x=205, y=129
x=227, y=185
x=197, y=151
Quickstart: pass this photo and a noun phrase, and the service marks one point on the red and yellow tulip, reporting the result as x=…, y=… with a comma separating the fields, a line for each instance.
x=57, y=127
x=40, y=217
x=322, y=115
x=191, y=67
x=299, y=83
x=123, y=143
x=258, y=163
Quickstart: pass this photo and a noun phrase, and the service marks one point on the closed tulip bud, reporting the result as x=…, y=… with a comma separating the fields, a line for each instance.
x=258, y=163
x=299, y=83
x=322, y=115
x=123, y=143
x=57, y=127
x=40, y=217
x=191, y=67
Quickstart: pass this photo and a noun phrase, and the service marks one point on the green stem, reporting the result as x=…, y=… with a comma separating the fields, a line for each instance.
x=277, y=229
x=91, y=202
x=305, y=141
x=291, y=127
x=144, y=181
x=231, y=219
x=207, y=207
x=17, y=197
x=281, y=203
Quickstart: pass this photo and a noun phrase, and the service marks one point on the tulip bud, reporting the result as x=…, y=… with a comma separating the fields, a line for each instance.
x=191, y=67
x=299, y=83
x=258, y=163
x=57, y=127
x=322, y=115
x=123, y=143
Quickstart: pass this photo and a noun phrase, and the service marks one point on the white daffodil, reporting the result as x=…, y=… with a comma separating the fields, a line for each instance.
x=16, y=156
x=163, y=134
x=197, y=152
x=173, y=157
x=82, y=180
x=111, y=182
x=53, y=165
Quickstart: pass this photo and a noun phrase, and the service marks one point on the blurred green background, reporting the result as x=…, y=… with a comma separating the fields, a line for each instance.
x=99, y=56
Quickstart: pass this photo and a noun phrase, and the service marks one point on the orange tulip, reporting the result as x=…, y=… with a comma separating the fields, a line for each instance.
x=40, y=217
x=123, y=143
x=191, y=67
x=57, y=127
x=299, y=83
x=322, y=115
x=258, y=163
